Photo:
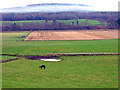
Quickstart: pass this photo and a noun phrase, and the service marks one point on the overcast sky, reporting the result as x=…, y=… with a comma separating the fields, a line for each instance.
x=107, y=5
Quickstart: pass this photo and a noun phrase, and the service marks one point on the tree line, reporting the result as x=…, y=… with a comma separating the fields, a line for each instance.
x=34, y=26
x=59, y=16
x=109, y=17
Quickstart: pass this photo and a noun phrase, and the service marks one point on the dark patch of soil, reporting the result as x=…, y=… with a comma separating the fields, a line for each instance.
x=10, y=60
x=41, y=57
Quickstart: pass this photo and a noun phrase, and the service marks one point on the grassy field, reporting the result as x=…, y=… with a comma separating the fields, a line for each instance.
x=71, y=72
x=11, y=43
x=82, y=22
x=7, y=57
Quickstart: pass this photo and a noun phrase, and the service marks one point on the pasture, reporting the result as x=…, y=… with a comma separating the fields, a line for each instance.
x=70, y=72
x=82, y=22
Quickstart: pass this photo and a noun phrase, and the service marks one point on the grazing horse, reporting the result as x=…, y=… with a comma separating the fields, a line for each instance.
x=42, y=66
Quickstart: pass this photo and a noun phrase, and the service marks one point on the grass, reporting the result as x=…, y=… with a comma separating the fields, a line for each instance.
x=71, y=72
x=7, y=57
x=82, y=22
x=12, y=44
x=23, y=21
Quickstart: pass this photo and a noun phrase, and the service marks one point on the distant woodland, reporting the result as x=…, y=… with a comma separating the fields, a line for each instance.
x=59, y=21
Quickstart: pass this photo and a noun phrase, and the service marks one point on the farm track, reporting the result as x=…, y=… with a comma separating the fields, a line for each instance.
x=73, y=35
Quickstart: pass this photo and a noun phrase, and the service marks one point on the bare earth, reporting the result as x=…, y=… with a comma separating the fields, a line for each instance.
x=73, y=35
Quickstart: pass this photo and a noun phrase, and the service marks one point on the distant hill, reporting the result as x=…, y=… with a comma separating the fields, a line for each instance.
x=58, y=4
x=49, y=7
x=54, y=16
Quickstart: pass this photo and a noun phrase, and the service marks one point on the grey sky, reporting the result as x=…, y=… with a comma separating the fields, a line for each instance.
x=105, y=5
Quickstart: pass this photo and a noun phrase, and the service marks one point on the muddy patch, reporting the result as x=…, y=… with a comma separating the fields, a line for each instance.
x=42, y=57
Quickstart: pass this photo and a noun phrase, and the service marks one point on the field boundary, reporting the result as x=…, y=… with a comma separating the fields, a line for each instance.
x=63, y=54
x=53, y=55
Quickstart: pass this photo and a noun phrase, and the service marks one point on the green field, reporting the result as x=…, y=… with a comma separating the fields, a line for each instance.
x=71, y=72
x=82, y=22
x=7, y=57
x=12, y=44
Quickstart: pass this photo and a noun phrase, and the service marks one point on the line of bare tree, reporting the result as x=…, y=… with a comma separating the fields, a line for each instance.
x=109, y=17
